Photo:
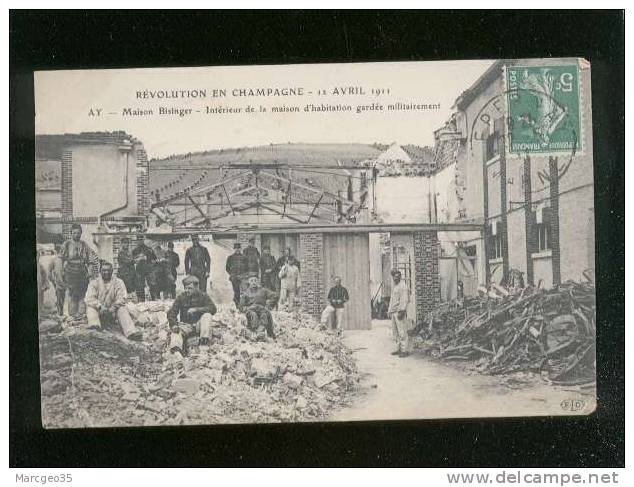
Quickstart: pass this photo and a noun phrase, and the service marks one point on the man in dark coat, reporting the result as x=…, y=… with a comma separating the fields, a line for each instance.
x=267, y=268
x=198, y=262
x=144, y=258
x=174, y=262
x=126, y=271
x=253, y=258
x=191, y=314
x=237, y=269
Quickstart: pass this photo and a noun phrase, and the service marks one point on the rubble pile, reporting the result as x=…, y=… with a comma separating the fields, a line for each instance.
x=99, y=378
x=547, y=331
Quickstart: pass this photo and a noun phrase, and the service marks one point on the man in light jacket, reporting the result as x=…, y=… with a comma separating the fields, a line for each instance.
x=106, y=300
x=398, y=313
x=289, y=283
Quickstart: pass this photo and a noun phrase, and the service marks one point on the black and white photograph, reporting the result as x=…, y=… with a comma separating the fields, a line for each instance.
x=316, y=242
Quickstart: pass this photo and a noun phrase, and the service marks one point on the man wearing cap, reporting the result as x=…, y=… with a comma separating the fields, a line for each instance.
x=267, y=268
x=192, y=311
x=398, y=313
x=252, y=255
x=198, y=262
x=254, y=302
x=237, y=269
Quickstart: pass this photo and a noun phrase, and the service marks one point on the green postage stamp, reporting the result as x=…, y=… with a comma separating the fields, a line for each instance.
x=543, y=109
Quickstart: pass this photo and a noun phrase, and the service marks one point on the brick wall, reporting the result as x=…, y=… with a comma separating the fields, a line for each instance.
x=311, y=258
x=427, y=283
x=142, y=183
x=67, y=191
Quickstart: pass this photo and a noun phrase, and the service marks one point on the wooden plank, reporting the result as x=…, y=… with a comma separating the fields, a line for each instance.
x=348, y=256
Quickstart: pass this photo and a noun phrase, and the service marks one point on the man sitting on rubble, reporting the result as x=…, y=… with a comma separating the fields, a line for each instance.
x=254, y=302
x=192, y=311
x=334, y=313
x=105, y=300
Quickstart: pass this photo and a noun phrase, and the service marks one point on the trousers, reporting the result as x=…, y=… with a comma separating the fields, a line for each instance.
x=202, y=327
x=60, y=297
x=258, y=315
x=236, y=283
x=95, y=319
x=399, y=332
x=333, y=317
x=287, y=297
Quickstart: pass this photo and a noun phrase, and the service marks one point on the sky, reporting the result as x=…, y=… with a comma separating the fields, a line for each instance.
x=67, y=102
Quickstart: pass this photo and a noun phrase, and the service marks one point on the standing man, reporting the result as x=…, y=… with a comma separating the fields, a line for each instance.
x=267, y=268
x=126, y=271
x=198, y=262
x=237, y=269
x=80, y=263
x=193, y=308
x=289, y=283
x=286, y=257
x=106, y=303
x=161, y=280
x=56, y=276
x=398, y=313
x=254, y=302
x=144, y=258
x=174, y=262
x=253, y=258
x=337, y=297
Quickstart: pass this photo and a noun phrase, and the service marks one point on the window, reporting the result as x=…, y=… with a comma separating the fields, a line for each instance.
x=543, y=237
x=494, y=249
x=492, y=148
x=542, y=229
x=492, y=142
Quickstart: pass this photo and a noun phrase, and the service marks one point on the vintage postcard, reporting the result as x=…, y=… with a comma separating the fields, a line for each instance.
x=334, y=242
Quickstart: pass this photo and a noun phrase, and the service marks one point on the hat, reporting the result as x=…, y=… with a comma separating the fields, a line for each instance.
x=237, y=246
x=190, y=279
x=395, y=272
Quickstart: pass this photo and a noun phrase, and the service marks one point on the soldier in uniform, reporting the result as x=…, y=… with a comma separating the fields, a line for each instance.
x=198, y=262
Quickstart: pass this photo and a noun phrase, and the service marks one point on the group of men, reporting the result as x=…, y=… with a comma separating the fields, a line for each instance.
x=157, y=268
x=259, y=283
x=280, y=276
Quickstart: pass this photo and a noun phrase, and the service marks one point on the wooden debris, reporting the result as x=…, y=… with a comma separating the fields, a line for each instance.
x=528, y=329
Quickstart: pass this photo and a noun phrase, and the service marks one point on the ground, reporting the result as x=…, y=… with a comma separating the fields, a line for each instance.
x=419, y=387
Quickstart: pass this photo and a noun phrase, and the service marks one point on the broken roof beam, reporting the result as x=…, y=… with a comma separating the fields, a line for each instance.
x=197, y=191
x=314, y=208
x=228, y=199
x=308, y=188
x=202, y=213
x=270, y=208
